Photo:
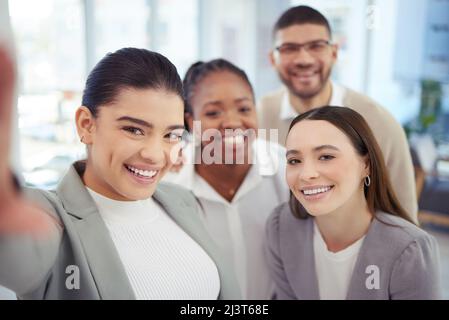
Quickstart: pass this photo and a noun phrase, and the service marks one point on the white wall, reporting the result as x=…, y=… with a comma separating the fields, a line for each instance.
x=267, y=12
x=240, y=31
x=401, y=98
x=227, y=29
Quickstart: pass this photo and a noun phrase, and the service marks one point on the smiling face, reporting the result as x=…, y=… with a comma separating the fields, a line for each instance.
x=130, y=142
x=304, y=72
x=324, y=171
x=223, y=101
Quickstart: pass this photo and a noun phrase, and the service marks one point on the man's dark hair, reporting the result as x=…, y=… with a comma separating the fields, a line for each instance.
x=301, y=15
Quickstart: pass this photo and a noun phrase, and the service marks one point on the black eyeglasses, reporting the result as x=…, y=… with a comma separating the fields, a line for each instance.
x=313, y=47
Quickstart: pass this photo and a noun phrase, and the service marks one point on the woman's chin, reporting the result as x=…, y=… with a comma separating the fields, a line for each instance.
x=317, y=212
x=136, y=194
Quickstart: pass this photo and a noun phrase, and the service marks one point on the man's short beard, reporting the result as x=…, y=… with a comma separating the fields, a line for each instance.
x=309, y=94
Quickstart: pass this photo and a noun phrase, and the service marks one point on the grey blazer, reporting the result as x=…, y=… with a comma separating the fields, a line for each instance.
x=403, y=257
x=38, y=268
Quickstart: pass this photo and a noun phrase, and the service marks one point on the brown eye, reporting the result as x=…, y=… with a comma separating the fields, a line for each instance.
x=173, y=136
x=293, y=161
x=288, y=49
x=326, y=157
x=134, y=131
x=244, y=109
x=316, y=46
x=212, y=114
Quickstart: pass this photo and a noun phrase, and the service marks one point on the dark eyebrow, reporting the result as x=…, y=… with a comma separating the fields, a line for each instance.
x=319, y=148
x=214, y=103
x=242, y=99
x=289, y=152
x=326, y=146
x=175, y=127
x=136, y=121
x=148, y=125
x=300, y=44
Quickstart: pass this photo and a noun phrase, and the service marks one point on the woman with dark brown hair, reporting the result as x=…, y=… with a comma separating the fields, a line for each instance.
x=111, y=230
x=343, y=234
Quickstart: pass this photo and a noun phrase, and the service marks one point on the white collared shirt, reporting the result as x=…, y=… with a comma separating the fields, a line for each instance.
x=238, y=227
x=289, y=113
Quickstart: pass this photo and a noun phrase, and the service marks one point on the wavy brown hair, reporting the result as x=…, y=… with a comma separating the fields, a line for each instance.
x=379, y=195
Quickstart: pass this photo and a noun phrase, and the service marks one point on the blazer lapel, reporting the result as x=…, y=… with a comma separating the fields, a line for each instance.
x=176, y=209
x=298, y=256
x=372, y=253
x=103, y=259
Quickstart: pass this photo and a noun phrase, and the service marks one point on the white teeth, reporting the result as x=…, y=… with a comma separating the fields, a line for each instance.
x=145, y=173
x=316, y=191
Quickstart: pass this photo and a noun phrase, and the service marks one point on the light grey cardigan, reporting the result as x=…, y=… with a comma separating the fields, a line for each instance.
x=405, y=258
x=40, y=268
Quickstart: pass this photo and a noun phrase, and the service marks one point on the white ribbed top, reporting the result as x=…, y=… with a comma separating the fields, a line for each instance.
x=160, y=259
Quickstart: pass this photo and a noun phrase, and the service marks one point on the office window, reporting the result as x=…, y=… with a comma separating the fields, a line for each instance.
x=59, y=41
x=176, y=32
x=120, y=24
x=50, y=42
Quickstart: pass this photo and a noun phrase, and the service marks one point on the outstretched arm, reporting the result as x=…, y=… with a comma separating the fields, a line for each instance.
x=29, y=237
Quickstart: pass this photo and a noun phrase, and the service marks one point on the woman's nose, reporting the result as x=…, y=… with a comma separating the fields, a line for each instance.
x=308, y=171
x=153, y=151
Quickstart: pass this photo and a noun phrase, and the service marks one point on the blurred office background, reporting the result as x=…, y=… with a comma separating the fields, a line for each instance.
x=396, y=51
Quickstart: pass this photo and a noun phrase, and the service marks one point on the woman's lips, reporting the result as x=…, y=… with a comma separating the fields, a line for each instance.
x=144, y=177
x=316, y=193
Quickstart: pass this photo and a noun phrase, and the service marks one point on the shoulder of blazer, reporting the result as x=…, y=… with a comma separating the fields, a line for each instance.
x=176, y=191
x=46, y=199
x=397, y=232
x=282, y=225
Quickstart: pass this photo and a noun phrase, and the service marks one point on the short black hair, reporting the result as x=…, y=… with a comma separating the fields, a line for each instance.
x=199, y=70
x=301, y=15
x=129, y=68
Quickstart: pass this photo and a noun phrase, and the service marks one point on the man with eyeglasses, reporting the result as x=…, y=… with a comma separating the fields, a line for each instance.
x=303, y=56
